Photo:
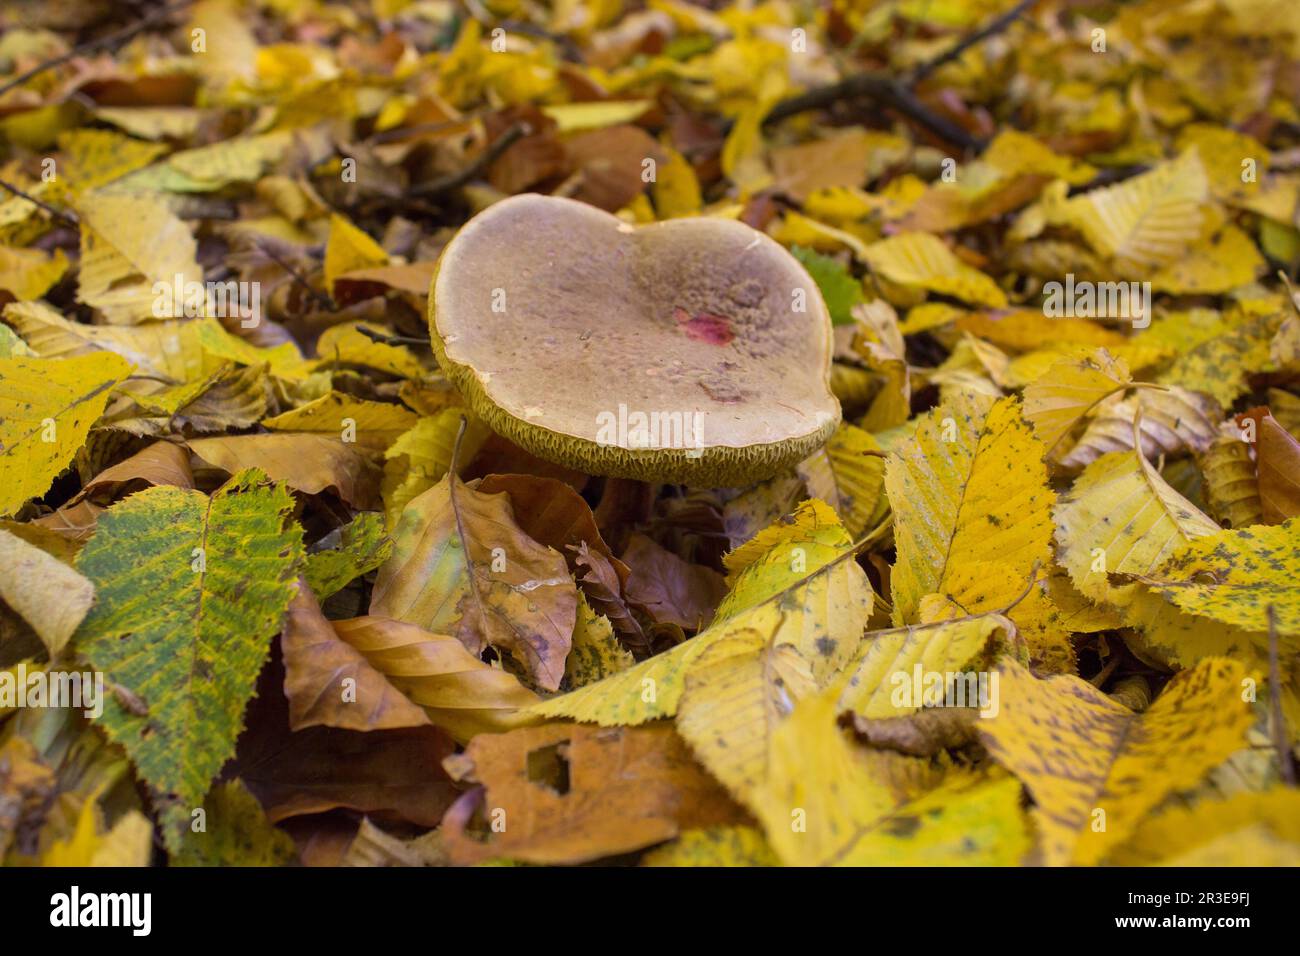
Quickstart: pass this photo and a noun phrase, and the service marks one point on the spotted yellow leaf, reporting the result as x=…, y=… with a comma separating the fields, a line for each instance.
x=1095, y=768
x=47, y=407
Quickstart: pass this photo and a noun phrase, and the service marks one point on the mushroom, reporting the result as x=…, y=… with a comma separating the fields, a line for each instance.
x=694, y=351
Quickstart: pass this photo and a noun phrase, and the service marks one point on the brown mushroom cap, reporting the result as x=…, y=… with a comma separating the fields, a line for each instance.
x=569, y=331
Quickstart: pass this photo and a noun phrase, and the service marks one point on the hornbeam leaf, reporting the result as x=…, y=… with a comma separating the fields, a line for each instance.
x=972, y=515
x=889, y=658
x=189, y=591
x=1248, y=829
x=1068, y=390
x=46, y=409
x=1147, y=220
x=1236, y=576
x=1094, y=767
x=793, y=584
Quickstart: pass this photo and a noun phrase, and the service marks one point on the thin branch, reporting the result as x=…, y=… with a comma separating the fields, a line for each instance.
x=996, y=25
x=481, y=162
x=103, y=43
x=570, y=50
x=884, y=90
x=384, y=339
x=65, y=215
x=322, y=299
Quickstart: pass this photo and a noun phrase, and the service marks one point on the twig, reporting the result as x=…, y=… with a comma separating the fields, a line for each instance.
x=322, y=298
x=383, y=339
x=570, y=50
x=896, y=95
x=1033, y=580
x=104, y=42
x=481, y=162
x=996, y=25
x=66, y=216
x=1275, y=700
x=883, y=89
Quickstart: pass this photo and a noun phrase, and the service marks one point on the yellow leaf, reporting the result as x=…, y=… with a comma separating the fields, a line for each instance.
x=372, y=425
x=595, y=115
x=826, y=802
x=1213, y=265
x=1070, y=389
x=129, y=243
x=1247, y=829
x=128, y=843
x=419, y=457
x=1095, y=768
x=348, y=249
x=285, y=360
x=849, y=473
x=29, y=273
x=714, y=846
x=970, y=488
x=596, y=652
x=880, y=682
x=1170, y=421
x=676, y=188
x=1237, y=577
x=1147, y=220
x=46, y=409
x=48, y=594
x=346, y=345
x=1122, y=517
x=736, y=694
x=920, y=260
x=794, y=584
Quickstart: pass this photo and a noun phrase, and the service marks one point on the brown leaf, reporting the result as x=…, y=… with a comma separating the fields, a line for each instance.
x=462, y=566
x=552, y=513
x=1277, y=454
x=317, y=663
x=670, y=590
x=609, y=163
x=457, y=691
x=574, y=793
x=162, y=463
x=600, y=582
x=391, y=773
x=308, y=462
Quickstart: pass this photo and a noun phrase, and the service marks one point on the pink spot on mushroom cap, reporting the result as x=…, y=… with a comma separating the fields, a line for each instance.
x=705, y=327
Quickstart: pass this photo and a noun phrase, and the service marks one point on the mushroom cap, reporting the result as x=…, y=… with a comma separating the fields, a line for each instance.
x=666, y=352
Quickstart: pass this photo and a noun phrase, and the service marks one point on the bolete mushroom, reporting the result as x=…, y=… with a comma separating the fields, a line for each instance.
x=694, y=351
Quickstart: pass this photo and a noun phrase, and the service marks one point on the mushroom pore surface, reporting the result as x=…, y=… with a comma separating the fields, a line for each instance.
x=584, y=340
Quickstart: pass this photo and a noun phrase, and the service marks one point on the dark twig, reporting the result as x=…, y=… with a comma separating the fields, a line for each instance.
x=103, y=43
x=1280, y=738
x=883, y=89
x=997, y=25
x=481, y=162
x=322, y=299
x=386, y=339
x=897, y=95
x=66, y=216
x=569, y=49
